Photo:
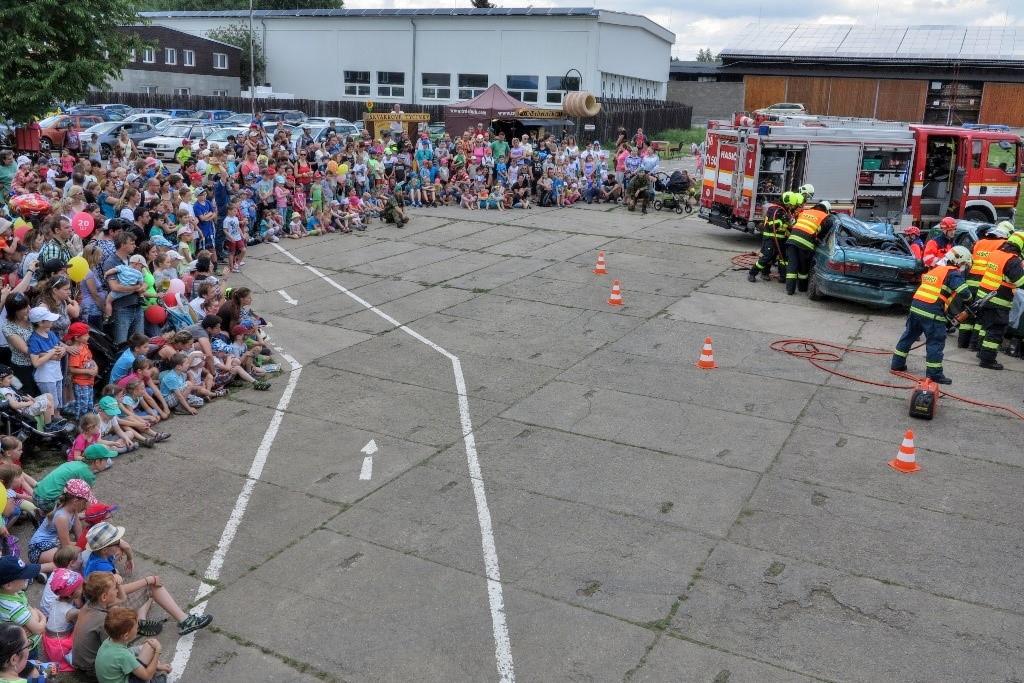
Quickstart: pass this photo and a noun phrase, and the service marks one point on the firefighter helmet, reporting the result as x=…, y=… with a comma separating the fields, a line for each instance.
x=947, y=223
x=1000, y=231
x=1016, y=241
x=807, y=190
x=959, y=256
x=1007, y=226
x=792, y=199
x=824, y=206
x=912, y=232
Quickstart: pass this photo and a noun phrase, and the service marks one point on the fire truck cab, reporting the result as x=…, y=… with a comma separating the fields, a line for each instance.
x=874, y=170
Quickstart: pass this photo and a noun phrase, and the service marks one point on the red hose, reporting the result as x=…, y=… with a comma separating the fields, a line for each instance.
x=811, y=351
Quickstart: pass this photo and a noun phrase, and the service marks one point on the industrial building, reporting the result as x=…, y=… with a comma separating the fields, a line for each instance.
x=929, y=74
x=440, y=56
x=179, y=63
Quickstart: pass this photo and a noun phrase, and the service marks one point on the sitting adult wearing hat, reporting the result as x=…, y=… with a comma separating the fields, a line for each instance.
x=104, y=540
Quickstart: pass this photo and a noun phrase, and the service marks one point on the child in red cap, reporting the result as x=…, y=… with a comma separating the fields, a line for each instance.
x=82, y=367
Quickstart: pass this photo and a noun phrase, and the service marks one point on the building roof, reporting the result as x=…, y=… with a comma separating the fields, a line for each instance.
x=859, y=43
x=149, y=28
x=388, y=12
x=682, y=66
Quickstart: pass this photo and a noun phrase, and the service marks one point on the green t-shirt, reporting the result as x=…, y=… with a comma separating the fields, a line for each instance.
x=114, y=662
x=52, y=485
x=499, y=148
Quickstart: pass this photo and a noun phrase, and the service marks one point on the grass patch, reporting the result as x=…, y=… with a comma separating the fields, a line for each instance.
x=674, y=136
x=1018, y=219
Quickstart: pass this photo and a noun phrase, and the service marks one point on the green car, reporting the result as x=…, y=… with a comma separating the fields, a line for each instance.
x=863, y=262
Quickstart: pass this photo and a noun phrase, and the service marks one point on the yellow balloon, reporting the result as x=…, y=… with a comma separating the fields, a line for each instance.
x=78, y=268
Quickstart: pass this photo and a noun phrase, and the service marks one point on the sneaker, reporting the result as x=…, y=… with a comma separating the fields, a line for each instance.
x=271, y=367
x=275, y=238
x=150, y=628
x=193, y=622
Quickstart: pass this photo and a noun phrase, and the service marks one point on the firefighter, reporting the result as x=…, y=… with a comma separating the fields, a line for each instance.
x=777, y=220
x=803, y=237
x=938, y=246
x=941, y=288
x=807, y=190
x=914, y=241
x=995, y=238
x=638, y=190
x=1004, y=272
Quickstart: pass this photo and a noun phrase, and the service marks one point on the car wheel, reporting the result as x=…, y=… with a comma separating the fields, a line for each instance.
x=977, y=215
x=45, y=145
x=813, y=293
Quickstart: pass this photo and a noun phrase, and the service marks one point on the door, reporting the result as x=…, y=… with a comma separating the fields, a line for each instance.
x=833, y=169
x=999, y=174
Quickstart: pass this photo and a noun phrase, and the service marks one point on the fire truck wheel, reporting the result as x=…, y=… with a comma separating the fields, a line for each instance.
x=977, y=215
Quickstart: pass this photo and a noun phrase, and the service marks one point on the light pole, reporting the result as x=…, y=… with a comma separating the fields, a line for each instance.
x=252, y=66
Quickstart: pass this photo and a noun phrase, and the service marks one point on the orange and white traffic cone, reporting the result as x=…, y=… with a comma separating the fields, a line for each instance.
x=600, y=268
x=905, y=458
x=615, y=298
x=707, y=356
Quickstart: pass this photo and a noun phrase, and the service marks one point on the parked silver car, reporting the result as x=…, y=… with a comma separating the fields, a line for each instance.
x=108, y=132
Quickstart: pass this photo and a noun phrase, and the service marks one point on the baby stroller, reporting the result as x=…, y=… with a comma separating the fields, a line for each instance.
x=674, y=193
x=29, y=430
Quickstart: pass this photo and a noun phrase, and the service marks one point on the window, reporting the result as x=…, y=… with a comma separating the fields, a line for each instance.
x=189, y=57
x=1002, y=155
x=357, y=82
x=437, y=86
x=390, y=84
x=523, y=88
x=555, y=84
x=148, y=55
x=976, y=154
x=181, y=92
x=220, y=60
x=220, y=93
x=149, y=89
x=471, y=85
x=170, y=55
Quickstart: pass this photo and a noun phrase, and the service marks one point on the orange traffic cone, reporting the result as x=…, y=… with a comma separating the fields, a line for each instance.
x=904, y=460
x=600, y=268
x=615, y=298
x=707, y=356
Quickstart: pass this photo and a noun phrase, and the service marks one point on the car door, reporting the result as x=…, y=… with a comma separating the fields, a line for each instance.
x=139, y=131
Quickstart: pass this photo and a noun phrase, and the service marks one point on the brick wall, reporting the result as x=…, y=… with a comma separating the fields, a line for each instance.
x=712, y=100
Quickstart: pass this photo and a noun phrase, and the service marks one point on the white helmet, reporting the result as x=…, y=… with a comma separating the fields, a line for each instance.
x=825, y=206
x=959, y=256
x=807, y=190
x=1001, y=231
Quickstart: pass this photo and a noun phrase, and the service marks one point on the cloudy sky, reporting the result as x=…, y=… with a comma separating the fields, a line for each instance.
x=710, y=24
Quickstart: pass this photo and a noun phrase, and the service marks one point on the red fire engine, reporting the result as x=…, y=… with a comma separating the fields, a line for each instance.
x=875, y=170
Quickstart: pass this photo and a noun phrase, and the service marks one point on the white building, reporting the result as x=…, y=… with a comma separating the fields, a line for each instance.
x=439, y=56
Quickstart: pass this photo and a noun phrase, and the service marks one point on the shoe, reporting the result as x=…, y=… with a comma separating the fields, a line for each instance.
x=147, y=443
x=150, y=628
x=193, y=622
x=990, y=365
x=898, y=368
x=751, y=277
x=271, y=367
x=941, y=379
x=161, y=437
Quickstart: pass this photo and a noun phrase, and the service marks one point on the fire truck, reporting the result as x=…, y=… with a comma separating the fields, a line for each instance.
x=875, y=170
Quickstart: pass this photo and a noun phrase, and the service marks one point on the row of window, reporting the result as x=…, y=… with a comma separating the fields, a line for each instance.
x=438, y=86
x=180, y=92
x=188, y=57
x=613, y=85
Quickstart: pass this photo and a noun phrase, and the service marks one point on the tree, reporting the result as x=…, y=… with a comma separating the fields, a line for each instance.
x=705, y=55
x=188, y=5
x=482, y=4
x=238, y=35
x=54, y=51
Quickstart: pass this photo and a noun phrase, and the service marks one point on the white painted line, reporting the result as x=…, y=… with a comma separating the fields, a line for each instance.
x=288, y=299
x=370, y=448
x=499, y=627
x=366, y=473
x=183, y=651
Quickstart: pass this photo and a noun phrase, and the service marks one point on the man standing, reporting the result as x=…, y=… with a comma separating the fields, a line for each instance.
x=499, y=148
x=1004, y=273
x=969, y=329
x=777, y=219
x=59, y=246
x=800, y=244
x=942, y=288
x=126, y=303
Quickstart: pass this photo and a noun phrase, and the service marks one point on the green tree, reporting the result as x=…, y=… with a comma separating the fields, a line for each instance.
x=705, y=55
x=188, y=5
x=238, y=35
x=54, y=51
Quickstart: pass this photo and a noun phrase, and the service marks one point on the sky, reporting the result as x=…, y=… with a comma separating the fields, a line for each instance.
x=710, y=24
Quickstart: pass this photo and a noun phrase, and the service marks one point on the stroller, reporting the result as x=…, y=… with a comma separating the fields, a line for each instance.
x=29, y=430
x=673, y=192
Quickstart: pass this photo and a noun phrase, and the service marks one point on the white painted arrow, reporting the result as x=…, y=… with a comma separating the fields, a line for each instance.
x=367, y=471
x=284, y=295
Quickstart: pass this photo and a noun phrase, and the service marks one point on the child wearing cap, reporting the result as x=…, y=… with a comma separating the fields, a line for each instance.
x=40, y=407
x=15, y=576
x=82, y=367
x=128, y=419
x=116, y=662
x=46, y=351
x=109, y=412
x=104, y=542
x=49, y=489
x=61, y=527
x=58, y=638
x=175, y=386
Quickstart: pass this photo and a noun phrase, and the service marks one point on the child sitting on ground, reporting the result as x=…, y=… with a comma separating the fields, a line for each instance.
x=15, y=576
x=89, y=434
x=66, y=557
x=177, y=389
x=40, y=407
x=18, y=503
x=58, y=638
x=116, y=662
x=128, y=420
x=110, y=426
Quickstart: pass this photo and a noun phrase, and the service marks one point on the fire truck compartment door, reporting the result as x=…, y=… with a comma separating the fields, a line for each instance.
x=833, y=170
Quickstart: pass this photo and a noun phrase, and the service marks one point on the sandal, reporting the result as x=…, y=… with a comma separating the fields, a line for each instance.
x=147, y=442
x=129, y=449
x=261, y=385
x=218, y=393
x=161, y=436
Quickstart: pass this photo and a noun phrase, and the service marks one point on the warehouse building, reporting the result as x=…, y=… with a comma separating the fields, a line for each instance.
x=440, y=56
x=712, y=93
x=929, y=74
x=178, y=63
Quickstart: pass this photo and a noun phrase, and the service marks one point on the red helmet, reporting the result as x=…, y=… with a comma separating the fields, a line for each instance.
x=947, y=223
x=912, y=231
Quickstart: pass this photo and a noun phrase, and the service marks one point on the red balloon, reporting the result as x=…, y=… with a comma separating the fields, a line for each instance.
x=171, y=299
x=31, y=204
x=83, y=223
x=156, y=315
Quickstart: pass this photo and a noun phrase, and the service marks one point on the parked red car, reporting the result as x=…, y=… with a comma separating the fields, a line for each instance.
x=54, y=129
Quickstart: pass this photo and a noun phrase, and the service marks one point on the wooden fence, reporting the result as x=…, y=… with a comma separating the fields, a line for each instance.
x=651, y=115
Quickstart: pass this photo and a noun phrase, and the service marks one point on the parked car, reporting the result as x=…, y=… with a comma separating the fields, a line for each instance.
x=341, y=127
x=287, y=115
x=219, y=136
x=152, y=118
x=105, y=114
x=969, y=232
x=173, y=122
x=168, y=141
x=213, y=114
x=239, y=119
x=54, y=129
x=181, y=113
x=149, y=110
x=863, y=262
x=108, y=132
x=782, y=108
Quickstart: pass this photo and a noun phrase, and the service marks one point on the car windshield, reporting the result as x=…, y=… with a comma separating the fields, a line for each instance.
x=103, y=128
x=177, y=131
